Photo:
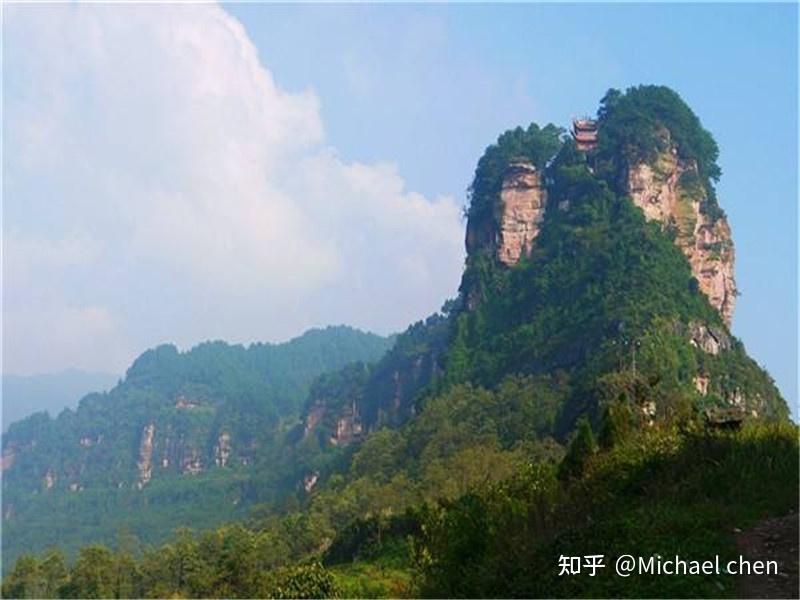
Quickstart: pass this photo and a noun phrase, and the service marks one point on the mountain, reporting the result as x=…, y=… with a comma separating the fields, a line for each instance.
x=24, y=395
x=175, y=438
x=581, y=394
x=608, y=273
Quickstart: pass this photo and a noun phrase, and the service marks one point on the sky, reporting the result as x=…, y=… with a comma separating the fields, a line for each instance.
x=245, y=172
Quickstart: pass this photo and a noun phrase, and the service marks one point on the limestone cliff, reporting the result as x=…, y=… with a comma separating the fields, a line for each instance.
x=668, y=190
x=521, y=210
x=145, y=462
x=514, y=224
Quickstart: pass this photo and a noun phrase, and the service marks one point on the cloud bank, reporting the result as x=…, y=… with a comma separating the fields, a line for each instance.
x=161, y=186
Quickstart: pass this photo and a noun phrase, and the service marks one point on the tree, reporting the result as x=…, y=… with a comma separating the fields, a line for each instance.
x=93, y=575
x=582, y=447
x=25, y=580
x=54, y=573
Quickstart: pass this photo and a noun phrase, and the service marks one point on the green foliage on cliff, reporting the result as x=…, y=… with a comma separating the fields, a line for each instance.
x=604, y=292
x=647, y=120
x=534, y=144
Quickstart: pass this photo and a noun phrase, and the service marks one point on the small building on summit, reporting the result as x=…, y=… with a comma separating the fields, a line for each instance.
x=584, y=132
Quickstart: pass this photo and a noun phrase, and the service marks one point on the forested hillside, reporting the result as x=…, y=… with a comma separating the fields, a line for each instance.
x=582, y=394
x=178, y=441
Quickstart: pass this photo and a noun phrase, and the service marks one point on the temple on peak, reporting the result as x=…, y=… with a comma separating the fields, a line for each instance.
x=584, y=131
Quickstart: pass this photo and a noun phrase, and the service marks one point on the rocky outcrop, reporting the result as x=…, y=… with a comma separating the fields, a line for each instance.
x=7, y=459
x=348, y=428
x=222, y=451
x=312, y=418
x=521, y=210
x=711, y=340
x=668, y=190
x=310, y=480
x=145, y=463
x=701, y=384
x=184, y=403
x=192, y=464
x=507, y=234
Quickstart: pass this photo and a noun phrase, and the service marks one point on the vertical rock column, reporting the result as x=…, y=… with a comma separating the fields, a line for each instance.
x=521, y=210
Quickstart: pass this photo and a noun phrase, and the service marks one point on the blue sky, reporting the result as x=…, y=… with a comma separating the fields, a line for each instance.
x=441, y=82
x=298, y=157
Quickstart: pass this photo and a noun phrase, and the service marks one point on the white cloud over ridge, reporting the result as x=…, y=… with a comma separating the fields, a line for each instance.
x=161, y=186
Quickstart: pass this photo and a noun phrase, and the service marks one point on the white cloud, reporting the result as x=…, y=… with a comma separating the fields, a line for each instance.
x=160, y=185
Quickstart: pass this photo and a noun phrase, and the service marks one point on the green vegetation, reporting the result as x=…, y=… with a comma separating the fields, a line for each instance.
x=552, y=409
x=647, y=120
x=662, y=491
x=648, y=494
x=89, y=457
x=538, y=145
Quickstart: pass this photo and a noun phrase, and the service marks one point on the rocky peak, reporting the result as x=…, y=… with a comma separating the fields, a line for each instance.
x=668, y=190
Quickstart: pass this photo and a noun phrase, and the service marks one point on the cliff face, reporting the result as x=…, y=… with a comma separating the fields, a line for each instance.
x=666, y=192
x=522, y=205
x=508, y=236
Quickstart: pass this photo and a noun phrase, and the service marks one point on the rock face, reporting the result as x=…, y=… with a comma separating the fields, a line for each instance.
x=222, y=451
x=514, y=224
x=710, y=340
x=310, y=480
x=7, y=460
x=667, y=190
x=348, y=429
x=145, y=464
x=522, y=205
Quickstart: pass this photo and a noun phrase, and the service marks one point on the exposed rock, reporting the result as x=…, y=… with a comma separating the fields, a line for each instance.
x=736, y=398
x=222, y=451
x=192, y=464
x=182, y=402
x=7, y=459
x=348, y=427
x=661, y=191
x=49, y=479
x=649, y=410
x=522, y=205
x=310, y=480
x=711, y=340
x=312, y=419
x=701, y=384
x=145, y=463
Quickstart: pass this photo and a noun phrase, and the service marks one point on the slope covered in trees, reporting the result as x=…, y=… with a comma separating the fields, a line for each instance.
x=178, y=441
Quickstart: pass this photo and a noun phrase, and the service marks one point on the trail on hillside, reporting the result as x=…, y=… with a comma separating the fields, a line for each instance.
x=772, y=539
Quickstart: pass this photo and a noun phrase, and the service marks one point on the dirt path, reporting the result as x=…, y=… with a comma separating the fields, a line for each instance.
x=772, y=539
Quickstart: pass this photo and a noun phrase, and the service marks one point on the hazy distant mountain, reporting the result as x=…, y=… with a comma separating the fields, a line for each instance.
x=24, y=395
